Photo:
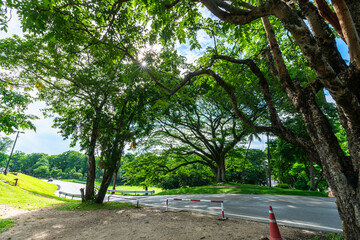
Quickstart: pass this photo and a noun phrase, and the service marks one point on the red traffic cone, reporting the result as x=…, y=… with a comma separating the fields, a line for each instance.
x=274, y=229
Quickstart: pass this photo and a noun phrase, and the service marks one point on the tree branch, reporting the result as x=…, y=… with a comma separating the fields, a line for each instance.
x=325, y=12
x=349, y=31
x=168, y=6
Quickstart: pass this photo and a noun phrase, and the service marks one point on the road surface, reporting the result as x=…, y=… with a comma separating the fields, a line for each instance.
x=317, y=213
x=68, y=187
x=305, y=212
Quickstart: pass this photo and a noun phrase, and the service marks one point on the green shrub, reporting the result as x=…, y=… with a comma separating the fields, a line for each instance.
x=184, y=180
x=283, y=185
x=301, y=183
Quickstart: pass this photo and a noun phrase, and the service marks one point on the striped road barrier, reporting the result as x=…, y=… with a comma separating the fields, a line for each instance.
x=121, y=197
x=199, y=200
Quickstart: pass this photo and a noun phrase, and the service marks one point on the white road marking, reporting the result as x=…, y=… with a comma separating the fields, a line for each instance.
x=287, y=223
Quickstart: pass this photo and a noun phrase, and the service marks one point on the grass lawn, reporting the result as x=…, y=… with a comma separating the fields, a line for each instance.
x=5, y=224
x=17, y=197
x=240, y=189
x=330, y=236
x=131, y=188
x=137, y=188
x=31, y=184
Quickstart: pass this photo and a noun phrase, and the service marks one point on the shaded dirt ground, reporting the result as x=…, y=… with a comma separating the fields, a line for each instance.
x=130, y=223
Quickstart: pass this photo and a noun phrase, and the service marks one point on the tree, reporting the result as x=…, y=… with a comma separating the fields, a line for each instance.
x=5, y=14
x=313, y=42
x=318, y=47
x=130, y=119
x=98, y=99
x=198, y=126
x=12, y=108
x=250, y=139
x=3, y=159
x=5, y=144
x=41, y=171
x=27, y=162
x=290, y=165
x=55, y=173
x=86, y=82
x=152, y=170
x=256, y=174
x=246, y=166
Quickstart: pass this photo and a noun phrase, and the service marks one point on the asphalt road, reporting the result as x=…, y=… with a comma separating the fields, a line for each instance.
x=316, y=213
x=68, y=187
x=305, y=212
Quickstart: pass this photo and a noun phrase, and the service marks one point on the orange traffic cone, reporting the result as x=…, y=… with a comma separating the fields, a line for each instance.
x=274, y=229
x=330, y=193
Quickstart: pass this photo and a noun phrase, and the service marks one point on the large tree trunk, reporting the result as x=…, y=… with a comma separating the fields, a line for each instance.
x=108, y=174
x=114, y=179
x=347, y=197
x=116, y=173
x=340, y=172
x=90, y=180
x=220, y=170
x=113, y=157
x=342, y=81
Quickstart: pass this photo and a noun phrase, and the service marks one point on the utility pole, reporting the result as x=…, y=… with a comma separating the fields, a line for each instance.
x=269, y=159
x=7, y=165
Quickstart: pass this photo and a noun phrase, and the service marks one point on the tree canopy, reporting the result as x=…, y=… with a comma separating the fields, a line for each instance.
x=283, y=53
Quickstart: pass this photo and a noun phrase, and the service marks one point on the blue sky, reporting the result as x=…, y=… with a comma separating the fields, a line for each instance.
x=47, y=140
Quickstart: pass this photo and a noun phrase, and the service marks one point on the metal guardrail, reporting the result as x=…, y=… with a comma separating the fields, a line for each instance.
x=131, y=191
x=69, y=194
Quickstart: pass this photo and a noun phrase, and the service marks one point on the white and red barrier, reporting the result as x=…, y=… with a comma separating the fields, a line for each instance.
x=198, y=200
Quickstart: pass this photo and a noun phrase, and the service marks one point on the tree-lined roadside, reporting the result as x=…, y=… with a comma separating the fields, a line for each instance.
x=273, y=57
x=23, y=199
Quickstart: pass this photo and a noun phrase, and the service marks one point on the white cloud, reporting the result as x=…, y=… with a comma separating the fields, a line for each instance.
x=45, y=140
x=14, y=27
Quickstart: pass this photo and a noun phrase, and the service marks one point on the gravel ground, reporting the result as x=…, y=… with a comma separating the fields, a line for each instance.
x=130, y=223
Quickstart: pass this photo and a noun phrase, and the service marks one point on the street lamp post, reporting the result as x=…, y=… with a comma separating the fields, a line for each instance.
x=7, y=165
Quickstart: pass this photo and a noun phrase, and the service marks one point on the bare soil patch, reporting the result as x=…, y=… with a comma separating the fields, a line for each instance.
x=130, y=223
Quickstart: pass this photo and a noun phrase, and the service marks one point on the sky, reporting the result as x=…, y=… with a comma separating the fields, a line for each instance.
x=47, y=139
